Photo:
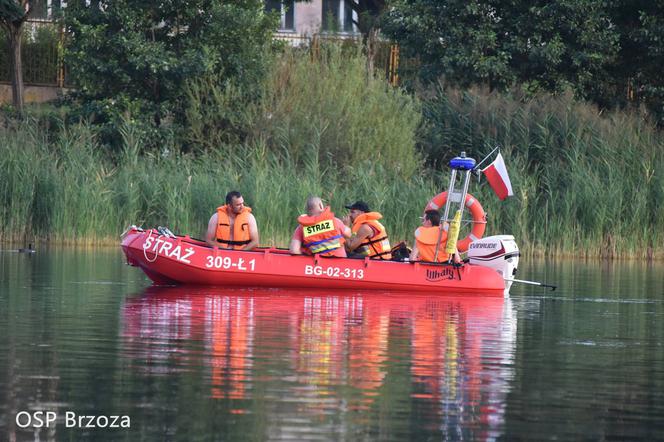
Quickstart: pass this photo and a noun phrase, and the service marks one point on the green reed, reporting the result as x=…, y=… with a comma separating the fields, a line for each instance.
x=585, y=183
x=70, y=190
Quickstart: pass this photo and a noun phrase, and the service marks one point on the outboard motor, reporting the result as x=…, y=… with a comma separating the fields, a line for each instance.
x=498, y=252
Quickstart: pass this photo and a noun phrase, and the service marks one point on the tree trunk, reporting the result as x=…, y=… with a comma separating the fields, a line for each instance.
x=14, y=35
x=371, y=44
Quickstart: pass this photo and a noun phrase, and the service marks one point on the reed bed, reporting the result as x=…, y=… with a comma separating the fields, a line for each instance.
x=70, y=191
x=585, y=183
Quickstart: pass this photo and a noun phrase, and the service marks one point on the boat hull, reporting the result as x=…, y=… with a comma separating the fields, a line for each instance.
x=183, y=260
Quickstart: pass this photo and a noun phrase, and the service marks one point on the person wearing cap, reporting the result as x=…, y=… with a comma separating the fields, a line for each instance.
x=319, y=232
x=426, y=240
x=233, y=226
x=369, y=236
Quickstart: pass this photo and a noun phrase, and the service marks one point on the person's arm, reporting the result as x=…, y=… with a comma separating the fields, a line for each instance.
x=414, y=253
x=211, y=231
x=343, y=228
x=456, y=256
x=253, y=234
x=363, y=233
x=296, y=242
x=295, y=247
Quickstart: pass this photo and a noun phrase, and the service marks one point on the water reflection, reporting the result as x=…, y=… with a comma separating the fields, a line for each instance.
x=333, y=364
x=588, y=363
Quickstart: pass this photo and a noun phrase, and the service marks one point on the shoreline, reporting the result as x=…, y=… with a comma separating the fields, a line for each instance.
x=527, y=251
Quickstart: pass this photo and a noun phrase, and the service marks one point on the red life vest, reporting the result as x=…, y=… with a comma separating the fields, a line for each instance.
x=241, y=235
x=319, y=233
x=377, y=245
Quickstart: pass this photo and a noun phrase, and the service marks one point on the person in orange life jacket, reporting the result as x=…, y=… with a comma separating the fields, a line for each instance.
x=369, y=236
x=319, y=232
x=233, y=226
x=426, y=237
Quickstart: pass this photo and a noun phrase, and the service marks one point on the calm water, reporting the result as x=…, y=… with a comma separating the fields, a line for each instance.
x=82, y=333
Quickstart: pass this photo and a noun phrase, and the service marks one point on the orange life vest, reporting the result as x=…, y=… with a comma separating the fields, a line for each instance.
x=241, y=235
x=319, y=234
x=377, y=245
x=426, y=238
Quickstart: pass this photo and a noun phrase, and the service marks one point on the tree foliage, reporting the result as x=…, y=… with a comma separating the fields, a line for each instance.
x=132, y=57
x=551, y=45
x=10, y=11
x=13, y=14
x=636, y=74
x=610, y=52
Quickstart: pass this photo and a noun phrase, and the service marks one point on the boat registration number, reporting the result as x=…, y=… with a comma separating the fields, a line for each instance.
x=226, y=262
x=334, y=272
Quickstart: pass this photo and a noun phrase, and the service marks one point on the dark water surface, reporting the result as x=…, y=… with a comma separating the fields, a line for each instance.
x=82, y=334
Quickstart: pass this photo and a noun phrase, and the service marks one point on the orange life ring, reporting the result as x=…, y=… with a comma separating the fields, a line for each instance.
x=476, y=211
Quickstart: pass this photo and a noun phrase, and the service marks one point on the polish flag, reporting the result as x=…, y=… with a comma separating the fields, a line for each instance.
x=496, y=174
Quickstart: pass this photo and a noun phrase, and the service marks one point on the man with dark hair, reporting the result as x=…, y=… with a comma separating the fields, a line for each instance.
x=233, y=226
x=369, y=236
x=426, y=239
x=232, y=194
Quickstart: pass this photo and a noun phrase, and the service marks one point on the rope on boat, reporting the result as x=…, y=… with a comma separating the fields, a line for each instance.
x=145, y=252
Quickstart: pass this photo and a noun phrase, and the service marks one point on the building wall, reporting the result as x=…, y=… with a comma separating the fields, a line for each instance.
x=308, y=17
x=32, y=94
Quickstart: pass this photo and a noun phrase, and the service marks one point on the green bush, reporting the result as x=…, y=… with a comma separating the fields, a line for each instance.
x=327, y=105
x=331, y=106
x=134, y=59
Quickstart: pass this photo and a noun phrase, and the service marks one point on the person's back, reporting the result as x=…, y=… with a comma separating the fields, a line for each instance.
x=427, y=239
x=319, y=232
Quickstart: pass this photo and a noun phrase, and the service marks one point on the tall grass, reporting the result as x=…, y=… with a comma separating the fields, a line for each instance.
x=69, y=191
x=585, y=183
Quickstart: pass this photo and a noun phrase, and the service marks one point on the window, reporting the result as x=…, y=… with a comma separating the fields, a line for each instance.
x=338, y=15
x=287, y=10
x=46, y=9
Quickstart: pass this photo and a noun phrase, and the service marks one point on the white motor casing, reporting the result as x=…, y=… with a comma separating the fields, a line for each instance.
x=498, y=252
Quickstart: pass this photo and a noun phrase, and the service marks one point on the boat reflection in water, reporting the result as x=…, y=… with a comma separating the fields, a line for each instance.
x=338, y=363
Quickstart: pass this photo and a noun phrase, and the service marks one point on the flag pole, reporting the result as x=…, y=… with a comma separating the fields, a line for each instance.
x=486, y=157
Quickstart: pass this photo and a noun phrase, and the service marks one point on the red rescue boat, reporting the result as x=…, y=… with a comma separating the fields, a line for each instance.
x=172, y=259
x=492, y=261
